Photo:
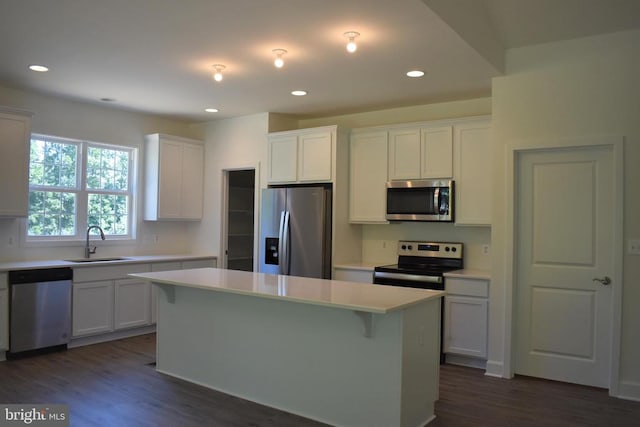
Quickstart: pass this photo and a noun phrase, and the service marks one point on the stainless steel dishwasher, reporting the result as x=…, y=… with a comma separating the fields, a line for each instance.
x=40, y=306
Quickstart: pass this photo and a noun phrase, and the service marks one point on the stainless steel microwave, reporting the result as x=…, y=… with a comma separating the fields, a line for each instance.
x=420, y=200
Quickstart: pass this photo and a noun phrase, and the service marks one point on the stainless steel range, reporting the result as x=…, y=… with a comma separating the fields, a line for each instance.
x=420, y=265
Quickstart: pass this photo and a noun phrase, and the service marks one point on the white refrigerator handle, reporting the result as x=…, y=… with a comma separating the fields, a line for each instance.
x=283, y=244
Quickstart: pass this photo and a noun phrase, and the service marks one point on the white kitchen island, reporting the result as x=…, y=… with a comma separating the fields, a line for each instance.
x=347, y=354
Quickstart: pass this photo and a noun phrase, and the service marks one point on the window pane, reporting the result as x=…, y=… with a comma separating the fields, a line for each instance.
x=53, y=164
x=107, y=169
x=51, y=213
x=109, y=212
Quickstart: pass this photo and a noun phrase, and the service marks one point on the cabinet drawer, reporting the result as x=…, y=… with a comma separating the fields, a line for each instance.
x=468, y=287
x=87, y=274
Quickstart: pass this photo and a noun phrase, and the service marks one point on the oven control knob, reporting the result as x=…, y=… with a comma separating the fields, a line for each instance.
x=404, y=247
x=446, y=249
x=410, y=247
x=453, y=249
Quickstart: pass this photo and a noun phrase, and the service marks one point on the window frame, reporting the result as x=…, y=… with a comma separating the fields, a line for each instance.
x=82, y=193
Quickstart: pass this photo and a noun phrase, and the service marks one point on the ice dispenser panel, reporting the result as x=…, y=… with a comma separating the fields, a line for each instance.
x=271, y=250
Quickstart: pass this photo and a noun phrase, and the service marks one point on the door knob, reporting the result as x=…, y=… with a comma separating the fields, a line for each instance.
x=606, y=280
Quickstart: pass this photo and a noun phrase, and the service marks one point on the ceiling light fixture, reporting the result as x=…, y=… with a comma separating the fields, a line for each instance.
x=38, y=68
x=351, y=46
x=217, y=75
x=415, y=73
x=278, y=62
x=211, y=110
x=299, y=93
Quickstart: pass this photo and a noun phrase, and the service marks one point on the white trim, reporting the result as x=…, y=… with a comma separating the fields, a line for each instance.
x=628, y=390
x=495, y=369
x=512, y=150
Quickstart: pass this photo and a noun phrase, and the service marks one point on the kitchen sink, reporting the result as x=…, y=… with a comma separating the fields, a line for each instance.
x=96, y=259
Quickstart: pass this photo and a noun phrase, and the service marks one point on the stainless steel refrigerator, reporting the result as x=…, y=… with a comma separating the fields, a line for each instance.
x=295, y=231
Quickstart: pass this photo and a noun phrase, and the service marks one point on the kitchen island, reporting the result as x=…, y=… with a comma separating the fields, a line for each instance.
x=343, y=353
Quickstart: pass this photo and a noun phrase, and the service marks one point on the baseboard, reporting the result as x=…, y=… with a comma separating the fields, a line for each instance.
x=111, y=336
x=629, y=390
x=495, y=369
x=472, y=362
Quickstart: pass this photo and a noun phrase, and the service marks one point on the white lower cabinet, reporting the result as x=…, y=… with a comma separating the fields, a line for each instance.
x=466, y=310
x=92, y=308
x=353, y=275
x=132, y=303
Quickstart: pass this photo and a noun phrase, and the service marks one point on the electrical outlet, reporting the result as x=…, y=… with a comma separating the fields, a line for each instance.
x=10, y=242
x=485, y=249
x=634, y=247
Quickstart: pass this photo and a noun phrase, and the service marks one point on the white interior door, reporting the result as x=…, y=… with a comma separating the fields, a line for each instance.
x=565, y=225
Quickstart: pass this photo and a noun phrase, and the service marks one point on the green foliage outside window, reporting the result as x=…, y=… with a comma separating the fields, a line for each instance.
x=55, y=188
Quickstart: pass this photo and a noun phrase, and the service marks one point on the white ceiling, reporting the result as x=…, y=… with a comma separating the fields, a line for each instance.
x=155, y=56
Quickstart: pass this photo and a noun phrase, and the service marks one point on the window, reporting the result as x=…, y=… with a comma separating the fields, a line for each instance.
x=74, y=184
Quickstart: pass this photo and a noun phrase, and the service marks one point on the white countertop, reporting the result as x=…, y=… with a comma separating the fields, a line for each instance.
x=133, y=259
x=329, y=293
x=469, y=274
x=360, y=265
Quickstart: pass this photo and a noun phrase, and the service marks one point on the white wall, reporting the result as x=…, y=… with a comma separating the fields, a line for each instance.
x=66, y=118
x=379, y=242
x=575, y=88
x=237, y=143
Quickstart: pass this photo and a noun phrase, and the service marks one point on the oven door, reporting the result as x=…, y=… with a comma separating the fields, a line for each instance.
x=408, y=280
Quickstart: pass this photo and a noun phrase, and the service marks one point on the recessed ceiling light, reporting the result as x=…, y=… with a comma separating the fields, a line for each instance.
x=211, y=110
x=415, y=73
x=299, y=93
x=38, y=68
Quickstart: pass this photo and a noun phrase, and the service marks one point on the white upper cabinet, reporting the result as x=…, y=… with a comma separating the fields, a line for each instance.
x=404, y=154
x=368, y=177
x=472, y=172
x=283, y=158
x=420, y=152
x=301, y=156
x=174, y=178
x=15, y=133
x=437, y=152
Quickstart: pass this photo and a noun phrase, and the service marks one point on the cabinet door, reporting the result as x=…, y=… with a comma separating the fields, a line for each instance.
x=283, y=158
x=465, y=326
x=314, y=156
x=170, y=179
x=92, y=308
x=368, y=176
x=4, y=319
x=132, y=303
x=352, y=275
x=437, y=152
x=404, y=154
x=15, y=131
x=192, y=181
x=472, y=173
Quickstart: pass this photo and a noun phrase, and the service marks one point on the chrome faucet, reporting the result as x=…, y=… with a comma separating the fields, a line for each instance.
x=88, y=250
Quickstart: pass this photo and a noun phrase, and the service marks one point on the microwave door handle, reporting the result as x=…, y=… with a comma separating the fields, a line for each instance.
x=436, y=201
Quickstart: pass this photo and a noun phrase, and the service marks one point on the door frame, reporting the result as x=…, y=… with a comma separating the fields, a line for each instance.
x=512, y=152
x=224, y=205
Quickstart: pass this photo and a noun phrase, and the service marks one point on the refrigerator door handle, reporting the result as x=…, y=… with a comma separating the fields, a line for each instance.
x=285, y=265
x=281, y=260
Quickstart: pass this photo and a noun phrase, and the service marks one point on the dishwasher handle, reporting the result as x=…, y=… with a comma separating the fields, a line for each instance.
x=18, y=277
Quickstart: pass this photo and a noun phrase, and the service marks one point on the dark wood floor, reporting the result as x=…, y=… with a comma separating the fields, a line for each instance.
x=113, y=384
